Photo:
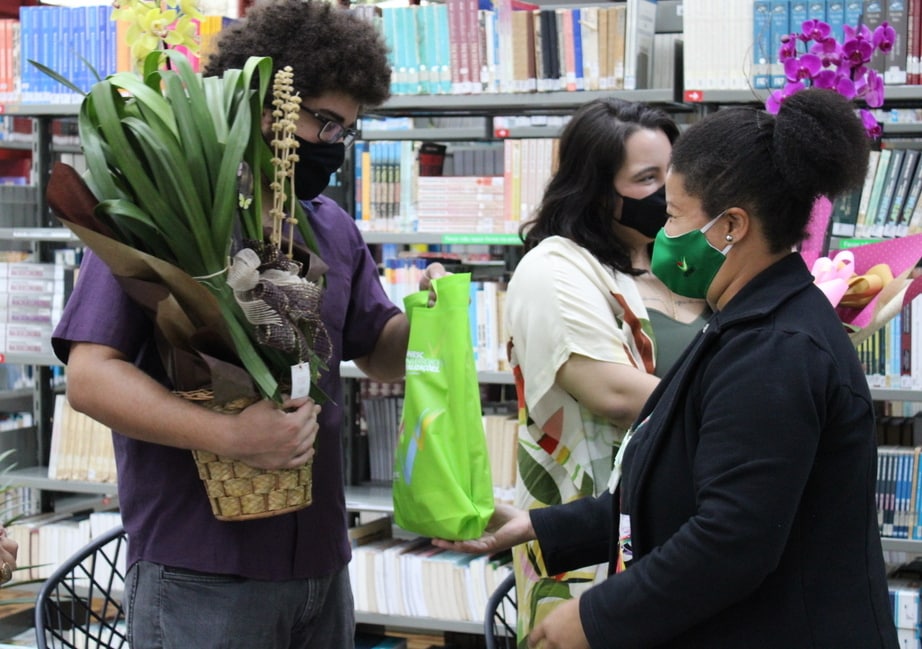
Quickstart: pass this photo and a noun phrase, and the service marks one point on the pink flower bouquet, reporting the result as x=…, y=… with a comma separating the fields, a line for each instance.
x=868, y=284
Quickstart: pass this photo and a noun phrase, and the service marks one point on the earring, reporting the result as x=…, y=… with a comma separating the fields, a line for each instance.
x=729, y=237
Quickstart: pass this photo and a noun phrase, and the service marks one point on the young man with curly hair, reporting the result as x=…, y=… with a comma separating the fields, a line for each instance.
x=278, y=582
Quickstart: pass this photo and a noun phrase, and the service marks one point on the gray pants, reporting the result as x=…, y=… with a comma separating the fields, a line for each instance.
x=179, y=609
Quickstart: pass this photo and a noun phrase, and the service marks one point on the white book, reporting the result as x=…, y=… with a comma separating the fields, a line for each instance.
x=638, y=43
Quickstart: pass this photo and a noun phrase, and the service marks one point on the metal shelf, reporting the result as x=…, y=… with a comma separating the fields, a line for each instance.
x=443, y=238
x=29, y=359
x=901, y=545
x=348, y=370
x=459, y=134
x=895, y=394
x=41, y=110
x=36, y=477
x=369, y=499
x=512, y=103
x=17, y=400
x=38, y=234
x=410, y=623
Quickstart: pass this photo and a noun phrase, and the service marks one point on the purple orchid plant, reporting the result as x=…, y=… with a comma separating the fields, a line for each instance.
x=842, y=67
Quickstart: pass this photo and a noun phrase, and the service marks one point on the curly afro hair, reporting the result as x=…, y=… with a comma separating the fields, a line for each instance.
x=330, y=49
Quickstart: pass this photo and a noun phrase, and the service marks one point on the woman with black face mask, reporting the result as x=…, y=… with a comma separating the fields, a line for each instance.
x=591, y=329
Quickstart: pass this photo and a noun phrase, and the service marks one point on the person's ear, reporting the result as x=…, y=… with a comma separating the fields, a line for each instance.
x=737, y=224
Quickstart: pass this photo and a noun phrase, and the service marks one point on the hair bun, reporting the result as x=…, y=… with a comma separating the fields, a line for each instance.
x=819, y=145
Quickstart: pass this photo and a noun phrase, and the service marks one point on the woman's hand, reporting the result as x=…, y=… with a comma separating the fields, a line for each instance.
x=507, y=527
x=561, y=629
x=9, y=548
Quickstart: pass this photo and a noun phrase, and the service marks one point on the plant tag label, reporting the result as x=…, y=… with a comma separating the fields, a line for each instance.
x=300, y=380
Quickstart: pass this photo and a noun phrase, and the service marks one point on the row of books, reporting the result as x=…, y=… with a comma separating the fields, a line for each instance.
x=32, y=297
x=459, y=48
x=393, y=195
x=81, y=447
x=892, y=355
x=412, y=577
x=77, y=42
x=46, y=540
x=746, y=54
x=380, y=421
x=887, y=204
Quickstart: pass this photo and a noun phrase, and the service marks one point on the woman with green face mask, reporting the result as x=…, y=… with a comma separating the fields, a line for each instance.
x=745, y=513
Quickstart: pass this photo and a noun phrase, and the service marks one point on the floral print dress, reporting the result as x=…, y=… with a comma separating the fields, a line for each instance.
x=562, y=301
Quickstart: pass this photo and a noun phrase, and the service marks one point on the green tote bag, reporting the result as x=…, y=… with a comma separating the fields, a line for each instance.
x=443, y=487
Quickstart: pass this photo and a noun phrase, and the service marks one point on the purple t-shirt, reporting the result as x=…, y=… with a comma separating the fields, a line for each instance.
x=163, y=502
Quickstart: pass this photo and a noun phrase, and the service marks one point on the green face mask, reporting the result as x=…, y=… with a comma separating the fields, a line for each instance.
x=687, y=263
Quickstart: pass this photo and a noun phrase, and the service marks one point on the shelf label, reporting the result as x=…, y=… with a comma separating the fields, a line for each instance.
x=42, y=233
x=491, y=238
x=854, y=243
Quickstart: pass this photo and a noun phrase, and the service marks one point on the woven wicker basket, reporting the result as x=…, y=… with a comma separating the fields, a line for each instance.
x=239, y=492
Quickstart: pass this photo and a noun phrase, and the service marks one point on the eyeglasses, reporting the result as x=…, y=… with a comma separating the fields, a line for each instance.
x=332, y=131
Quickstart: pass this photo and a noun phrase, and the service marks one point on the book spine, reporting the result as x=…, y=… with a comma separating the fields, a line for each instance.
x=579, y=71
x=780, y=26
x=763, y=49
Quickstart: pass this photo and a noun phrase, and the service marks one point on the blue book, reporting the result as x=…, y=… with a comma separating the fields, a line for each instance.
x=360, y=147
x=764, y=51
x=389, y=18
x=443, y=48
x=476, y=287
x=83, y=42
x=27, y=50
x=780, y=26
x=109, y=41
x=414, y=53
x=797, y=15
x=835, y=16
x=816, y=10
x=427, y=30
x=578, y=49
x=917, y=527
x=854, y=9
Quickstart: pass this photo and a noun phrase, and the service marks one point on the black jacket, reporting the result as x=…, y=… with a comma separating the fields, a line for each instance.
x=750, y=489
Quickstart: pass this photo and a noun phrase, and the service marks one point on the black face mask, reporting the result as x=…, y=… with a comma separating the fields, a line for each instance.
x=647, y=215
x=316, y=162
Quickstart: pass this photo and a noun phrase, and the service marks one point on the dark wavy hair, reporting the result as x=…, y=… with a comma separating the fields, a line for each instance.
x=775, y=167
x=327, y=47
x=579, y=201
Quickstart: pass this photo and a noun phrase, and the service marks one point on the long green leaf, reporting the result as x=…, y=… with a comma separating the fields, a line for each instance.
x=165, y=159
x=150, y=104
x=57, y=77
x=190, y=139
x=204, y=121
x=214, y=95
x=257, y=148
x=101, y=183
x=123, y=156
x=144, y=232
x=246, y=349
x=245, y=121
x=224, y=211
